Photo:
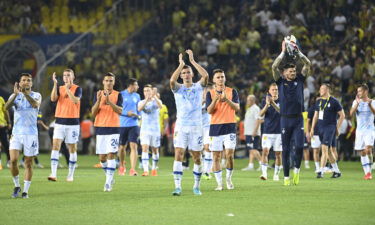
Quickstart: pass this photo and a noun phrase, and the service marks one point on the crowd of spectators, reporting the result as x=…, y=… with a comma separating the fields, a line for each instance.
x=244, y=37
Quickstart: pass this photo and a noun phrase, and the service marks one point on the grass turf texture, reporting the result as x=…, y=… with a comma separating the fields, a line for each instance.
x=148, y=200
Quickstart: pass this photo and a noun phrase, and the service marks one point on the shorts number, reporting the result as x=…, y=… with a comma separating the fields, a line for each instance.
x=114, y=143
x=34, y=145
x=200, y=140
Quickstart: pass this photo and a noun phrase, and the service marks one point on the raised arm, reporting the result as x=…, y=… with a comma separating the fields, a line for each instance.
x=265, y=108
x=199, y=68
x=212, y=105
x=34, y=103
x=114, y=106
x=142, y=104
x=173, y=81
x=275, y=66
x=354, y=106
x=16, y=91
x=95, y=107
x=71, y=96
x=306, y=69
x=54, y=95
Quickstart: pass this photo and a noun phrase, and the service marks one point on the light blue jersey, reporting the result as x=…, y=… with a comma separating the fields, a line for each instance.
x=25, y=116
x=130, y=103
x=150, y=118
x=189, y=105
x=365, y=117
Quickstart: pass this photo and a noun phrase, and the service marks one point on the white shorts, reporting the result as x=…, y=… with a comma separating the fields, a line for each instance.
x=188, y=137
x=315, y=142
x=363, y=139
x=106, y=144
x=206, y=135
x=228, y=141
x=272, y=140
x=29, y=144
x=68, y=133
x=150, y=140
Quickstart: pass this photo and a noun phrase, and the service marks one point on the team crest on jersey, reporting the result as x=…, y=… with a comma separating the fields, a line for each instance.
x=283, y=131
x=329, y=105
x=295, y=83
x=134, y=99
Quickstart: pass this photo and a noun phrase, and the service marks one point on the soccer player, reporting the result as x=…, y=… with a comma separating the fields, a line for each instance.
x=4, y=126
x=290, y=86
x=271, y=131
x=222, y=103
x=106, y=111
x=25, y=104
x=68, y=98
x=364, y=107
x=150, y=128
x=188, y=128
x=326, y=110
x=129, y=131
x=252, y=131
x=206, y=118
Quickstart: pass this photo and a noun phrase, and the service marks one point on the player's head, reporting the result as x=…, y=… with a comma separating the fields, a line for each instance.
x=155, y=92
x=108, y=81
x=219, y=77
x=25, y=81
x=362, y=91
x=147, y=91
x=273, y=90
x=250, y=100
x=324, y=90
x=68, y=75
x=289, y=71
x=132, y=85
x=187, y=74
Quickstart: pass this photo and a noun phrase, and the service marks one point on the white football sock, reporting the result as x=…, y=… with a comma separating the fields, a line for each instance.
x=16, y=181
x=229, y=174
x=72, y=163
x=54, y=162
x=365, y=163
x=219, y=178
x=145, y=161
x=155, y=160
x=26, y=186
x=110, y=171
x=177, y=173
x=104, y=166
x=197, y=171
x=335, y=167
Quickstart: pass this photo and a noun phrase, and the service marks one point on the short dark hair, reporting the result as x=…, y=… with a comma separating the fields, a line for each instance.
x=24, y=75
x=363, y=86
x=289, y=65
x=186, y=67
x=217, y=71
x=109, y=74
x=69, y=70
x=327, y=85
x=148, y=86
x=130, y=81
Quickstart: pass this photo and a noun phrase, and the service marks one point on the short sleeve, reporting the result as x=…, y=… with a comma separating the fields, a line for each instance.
x=316, y=108
x=235, y=97
x=78, y=92
x=354, y=103
x=119, y=100
x=338, y=106
x=208, y=99
x=373, y=103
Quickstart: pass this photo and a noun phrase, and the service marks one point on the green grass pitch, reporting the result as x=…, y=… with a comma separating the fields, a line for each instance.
x=148, y=200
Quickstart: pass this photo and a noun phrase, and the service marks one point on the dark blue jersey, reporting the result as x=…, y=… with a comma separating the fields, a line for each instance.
x=271, y=123
x=330, y=109
x=291, y=96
